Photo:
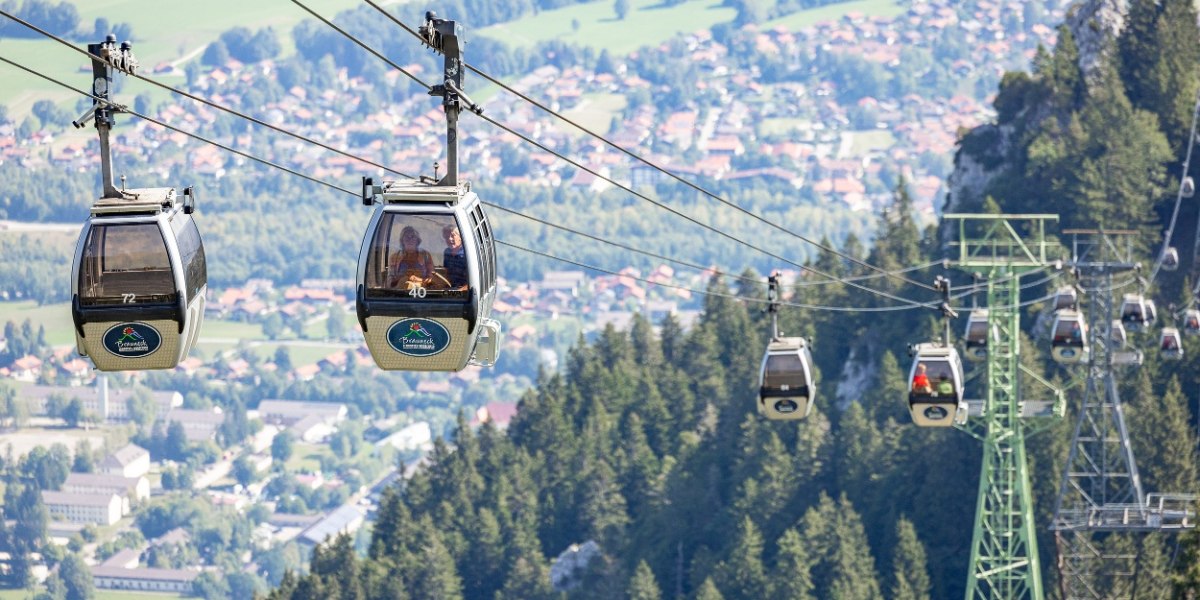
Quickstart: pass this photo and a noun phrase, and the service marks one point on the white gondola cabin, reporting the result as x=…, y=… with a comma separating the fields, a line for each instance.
x=935, y=397
x=1170, y=344
x=1133, y=312
x=786, y=387
x=1170, y=259
x=977, y=334
x=1066, y=298
x=1118, y=333
x=1069, y=343
x=1188, y=187
x=427, y=279
x=138, y=281
x=1191, y=322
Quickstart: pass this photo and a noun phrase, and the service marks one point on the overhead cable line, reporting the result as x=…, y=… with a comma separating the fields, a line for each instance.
x=717, y=294
x=208, y=102
x=178, y=130
x=339, y=151
x=655, y=166
x=639, y=195
x=356, y=194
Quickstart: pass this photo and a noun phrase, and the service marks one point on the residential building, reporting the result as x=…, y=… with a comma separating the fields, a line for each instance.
x=289, y=412
x=132, y=490
x=101, y=509
x=130, y=461
x=198, y=425
x=143, y=579
x=346, y=518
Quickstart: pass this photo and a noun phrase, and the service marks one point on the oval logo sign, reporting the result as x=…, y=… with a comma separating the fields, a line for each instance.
x=1068, y=353
x=418, y=337
x=936, y=413
x=131, y=340
x=786, y=406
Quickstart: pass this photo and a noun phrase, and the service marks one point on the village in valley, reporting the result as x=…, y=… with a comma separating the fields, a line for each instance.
x=279, y=431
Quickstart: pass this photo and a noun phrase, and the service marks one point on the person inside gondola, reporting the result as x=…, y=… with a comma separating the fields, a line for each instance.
x=920, y=382
x=454, y=259
x=1169, y=343
x=1193, y=323
x=944, y=386
x=412, y=267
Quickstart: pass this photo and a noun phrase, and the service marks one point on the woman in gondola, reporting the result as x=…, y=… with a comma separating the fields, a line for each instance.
x=412, y=267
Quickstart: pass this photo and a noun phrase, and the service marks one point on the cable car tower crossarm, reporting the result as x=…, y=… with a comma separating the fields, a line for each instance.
x=1004, y=557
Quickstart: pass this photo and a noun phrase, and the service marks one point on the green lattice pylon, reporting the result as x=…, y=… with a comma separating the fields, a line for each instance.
x=1004, y=558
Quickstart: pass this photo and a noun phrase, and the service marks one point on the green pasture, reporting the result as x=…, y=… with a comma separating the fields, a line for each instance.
x=833, y=12
x=301, y=355
x=306, y=458
x=595, y=112
x=56, y=318
x=648, y=23
x=163, y=32
x=862, y=142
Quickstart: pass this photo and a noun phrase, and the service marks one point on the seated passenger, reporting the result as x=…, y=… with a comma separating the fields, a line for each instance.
x=944, y=386
x=454, y=259
x=920, y=382
x=411, y=267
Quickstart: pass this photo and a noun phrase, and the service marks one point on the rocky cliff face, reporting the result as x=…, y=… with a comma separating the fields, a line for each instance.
x=1095, y=25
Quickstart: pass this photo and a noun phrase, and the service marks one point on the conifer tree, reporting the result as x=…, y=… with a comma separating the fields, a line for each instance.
x=643, y=585
x=1138, y=49
x=1172, y=80
x=708, y=591
x=792, y=577
x=1163, y=440
x=435, y=575
x=742, y=575
x=1118, y=171
x=910, y=577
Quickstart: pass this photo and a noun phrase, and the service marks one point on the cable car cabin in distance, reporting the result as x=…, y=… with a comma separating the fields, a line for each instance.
x=1066, y=298
x=1069, y=341
x=1133, y=312
x=935, y=395
x=786, y=388
x=427, y=278
x=138, y=281
x=1191, y=322
x=1170, y=344
x=977, y=334
x=1118, y=333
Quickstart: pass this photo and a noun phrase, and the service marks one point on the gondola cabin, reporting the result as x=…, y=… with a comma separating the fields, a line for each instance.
x=427, y=278
x=1191, y=322
x=1170, y=259
x=1118, y=333
x=1133, y=312
x=1170, y=344
x=977, y=334
x=786, y=387
x=935, y=397
x=138, y=281
x=1066, y=298
x=1188, y=188
x=1069, y=343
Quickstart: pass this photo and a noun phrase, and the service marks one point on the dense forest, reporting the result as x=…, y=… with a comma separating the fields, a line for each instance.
x=648, y=447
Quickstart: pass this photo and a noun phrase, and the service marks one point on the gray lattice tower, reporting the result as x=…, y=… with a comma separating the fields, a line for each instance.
x=1100, y=490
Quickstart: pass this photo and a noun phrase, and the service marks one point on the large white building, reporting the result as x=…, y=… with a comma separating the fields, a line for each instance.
x=290, y=412
x=132, y=490
x=144, y=579
x=130, y=461
x=106, y=403
x=101, y=509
